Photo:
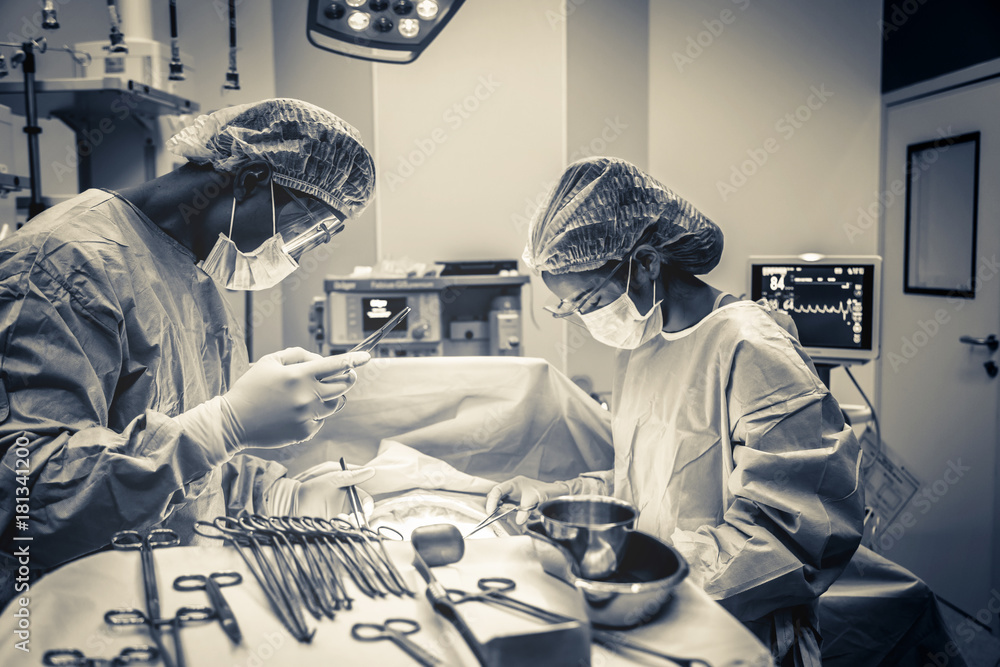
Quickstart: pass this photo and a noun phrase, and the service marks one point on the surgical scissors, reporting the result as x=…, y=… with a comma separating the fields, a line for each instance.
x=130, y=540
x=493, y=591
x=183, y=616
x=396, y=630
x=213, y=584
x=71, y=657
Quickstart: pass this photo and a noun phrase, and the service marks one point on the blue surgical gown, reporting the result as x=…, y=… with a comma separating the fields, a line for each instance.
x=735, y=452
x=108, y=329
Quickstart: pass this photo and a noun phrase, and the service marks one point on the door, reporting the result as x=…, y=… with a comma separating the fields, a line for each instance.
x=939, y=402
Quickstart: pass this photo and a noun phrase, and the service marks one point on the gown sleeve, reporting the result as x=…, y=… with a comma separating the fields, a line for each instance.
x=796, y=513
x=79, y=478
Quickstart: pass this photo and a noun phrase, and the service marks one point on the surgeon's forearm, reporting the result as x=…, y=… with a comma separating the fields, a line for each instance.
x=84, y=486
x=213, y=426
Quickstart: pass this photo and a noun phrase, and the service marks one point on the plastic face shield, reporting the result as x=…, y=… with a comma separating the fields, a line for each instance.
x=305, y=223
x=581, y=303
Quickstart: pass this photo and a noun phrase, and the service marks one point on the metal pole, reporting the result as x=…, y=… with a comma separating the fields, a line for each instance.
x=32, y=129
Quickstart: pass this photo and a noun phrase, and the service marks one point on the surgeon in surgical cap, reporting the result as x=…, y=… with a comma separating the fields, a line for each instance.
x=124, y=379
x=725, y=439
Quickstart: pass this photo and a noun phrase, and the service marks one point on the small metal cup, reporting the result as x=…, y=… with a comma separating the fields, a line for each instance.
x=593, y=529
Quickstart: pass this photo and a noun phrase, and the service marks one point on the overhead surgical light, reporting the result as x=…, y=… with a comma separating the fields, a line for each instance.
x=390, y=31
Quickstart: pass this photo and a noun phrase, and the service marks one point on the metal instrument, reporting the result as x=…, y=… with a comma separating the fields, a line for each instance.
x=213, y=585
x=369, y=343
x=352, y=491
x=396, y=630
x=232, y=76
x=494, y=517
x=71, y=657
x=116, y=37
x=130, y=540
x=184, y=616
x=176, y=66
x=493, y=591
x=443, y=606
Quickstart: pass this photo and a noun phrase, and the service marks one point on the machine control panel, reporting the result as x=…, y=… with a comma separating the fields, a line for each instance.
x=456, y=315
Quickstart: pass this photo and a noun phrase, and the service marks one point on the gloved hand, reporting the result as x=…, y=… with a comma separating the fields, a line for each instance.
x=281, y=400
x=526, y=492
x=321, y=495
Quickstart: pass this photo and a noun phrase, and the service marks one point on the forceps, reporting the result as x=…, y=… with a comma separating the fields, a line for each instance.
x=130, y=540
x=494, y=516
x=184, y=616
x=71, y=657
x=396, y=630
x=213, y=585
x=492, y=592
x=368, y=344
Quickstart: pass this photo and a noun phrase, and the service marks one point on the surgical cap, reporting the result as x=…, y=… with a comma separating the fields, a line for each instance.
x=600, y=210
x=309, y=149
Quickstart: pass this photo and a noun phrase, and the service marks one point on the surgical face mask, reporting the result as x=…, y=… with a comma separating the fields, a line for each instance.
x=620, y=324
x=259, y=269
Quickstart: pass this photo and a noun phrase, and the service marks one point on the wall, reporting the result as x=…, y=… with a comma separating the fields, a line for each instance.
x=470, y=136
x=607, y=113
x=732, y=130
x=344, y=87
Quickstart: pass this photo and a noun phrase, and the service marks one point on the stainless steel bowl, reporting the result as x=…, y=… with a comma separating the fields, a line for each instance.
x=593, y=529
x=635, y=593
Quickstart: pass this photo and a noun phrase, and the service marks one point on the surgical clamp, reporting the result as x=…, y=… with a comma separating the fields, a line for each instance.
x=130, y=540
x=212, y=584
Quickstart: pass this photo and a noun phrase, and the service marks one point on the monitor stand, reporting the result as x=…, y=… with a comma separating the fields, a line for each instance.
x=823, y=370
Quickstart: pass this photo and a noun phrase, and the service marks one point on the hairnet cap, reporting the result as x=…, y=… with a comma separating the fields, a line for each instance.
x=599, y=210
x=309, y=149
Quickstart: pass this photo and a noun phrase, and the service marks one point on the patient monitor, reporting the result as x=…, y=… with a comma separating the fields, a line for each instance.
x=834, y=301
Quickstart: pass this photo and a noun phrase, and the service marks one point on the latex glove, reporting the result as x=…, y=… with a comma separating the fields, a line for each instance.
x=323, y=495
x=526, y=492
x=281, y=400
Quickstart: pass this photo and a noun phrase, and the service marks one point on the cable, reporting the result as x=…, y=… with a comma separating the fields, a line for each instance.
x=878, y=431
x=531, y=304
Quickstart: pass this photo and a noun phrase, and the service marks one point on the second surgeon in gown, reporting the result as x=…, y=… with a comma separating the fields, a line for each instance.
x=725, y=439
x=125, y=389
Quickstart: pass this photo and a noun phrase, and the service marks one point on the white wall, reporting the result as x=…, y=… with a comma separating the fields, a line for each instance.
x=344, y=87
x=469, y=136
x=724, y=77
x=607, y=114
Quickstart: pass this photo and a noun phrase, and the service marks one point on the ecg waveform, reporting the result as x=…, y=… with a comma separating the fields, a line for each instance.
x=843, y=309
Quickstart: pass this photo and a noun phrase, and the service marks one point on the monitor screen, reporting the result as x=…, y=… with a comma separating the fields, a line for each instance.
x=834, y=301
x=375, y=311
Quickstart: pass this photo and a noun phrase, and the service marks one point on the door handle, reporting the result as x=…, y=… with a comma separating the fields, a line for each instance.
x=990, y=341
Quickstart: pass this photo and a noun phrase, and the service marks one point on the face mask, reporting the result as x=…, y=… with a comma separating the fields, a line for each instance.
x=619, y=324
x=259, y=269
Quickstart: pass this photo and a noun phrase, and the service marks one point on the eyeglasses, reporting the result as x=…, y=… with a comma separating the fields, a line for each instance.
x=579, y=303
x=306, y=222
